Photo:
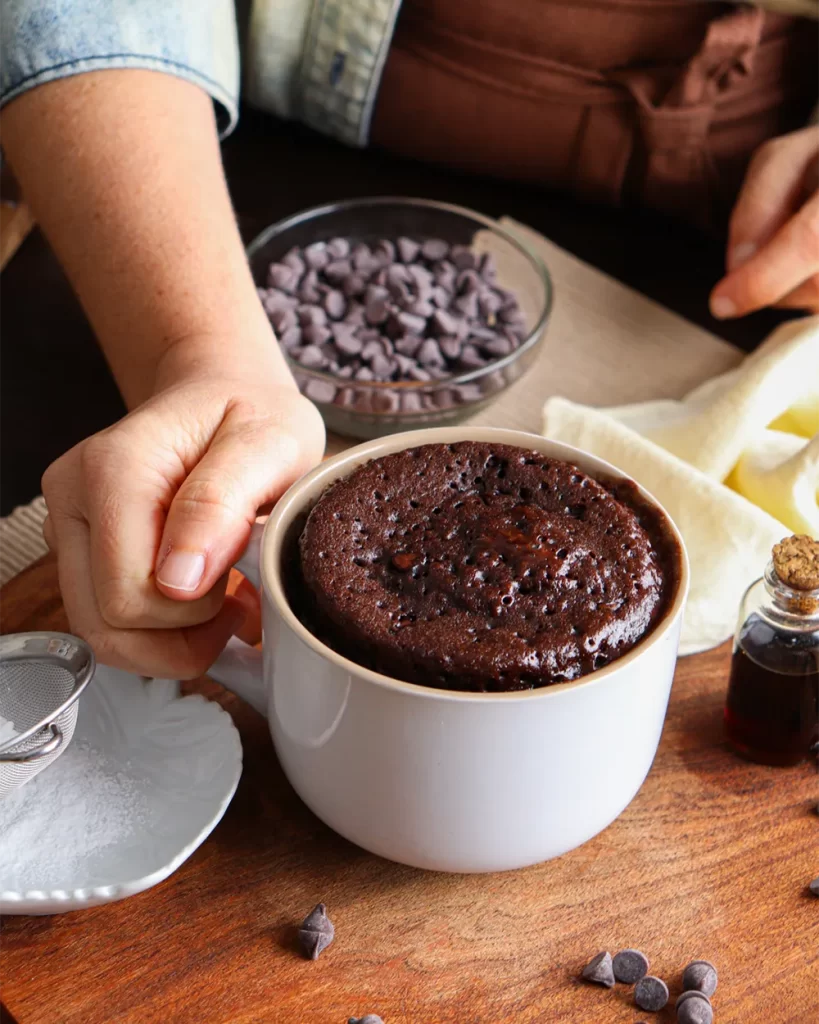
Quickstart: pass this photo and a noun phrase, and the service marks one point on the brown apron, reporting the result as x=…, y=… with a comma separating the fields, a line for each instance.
x=655, y=102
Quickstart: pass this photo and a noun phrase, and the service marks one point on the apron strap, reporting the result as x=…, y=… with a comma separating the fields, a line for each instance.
x=674, y=119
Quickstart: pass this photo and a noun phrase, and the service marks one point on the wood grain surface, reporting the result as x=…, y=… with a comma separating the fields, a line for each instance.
x=712, y=859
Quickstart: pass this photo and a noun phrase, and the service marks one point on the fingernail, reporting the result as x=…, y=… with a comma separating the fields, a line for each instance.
x=181, y=570
x=740, y=254
x=722, y=308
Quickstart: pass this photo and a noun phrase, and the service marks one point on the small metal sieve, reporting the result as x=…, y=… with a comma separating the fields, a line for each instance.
x=41, y=678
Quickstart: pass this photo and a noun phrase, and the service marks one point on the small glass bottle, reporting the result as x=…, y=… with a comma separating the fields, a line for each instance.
x=772, y=709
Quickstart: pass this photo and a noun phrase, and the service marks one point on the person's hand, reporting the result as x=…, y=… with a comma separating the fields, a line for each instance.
x=773, y=238
x=147, y=516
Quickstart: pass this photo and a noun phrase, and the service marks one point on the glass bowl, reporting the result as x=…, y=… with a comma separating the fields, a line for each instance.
x=367, y=409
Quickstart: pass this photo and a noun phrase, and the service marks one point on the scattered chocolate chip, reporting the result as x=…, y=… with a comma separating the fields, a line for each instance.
x=651, y=993
x=599, y=970
x=629, y=965
x=694, y=1008
x=701, y=976
x=814, y=887
x=316, y=932
x=368, y=1018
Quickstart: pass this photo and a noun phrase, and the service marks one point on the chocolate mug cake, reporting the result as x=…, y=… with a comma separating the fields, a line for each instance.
x=479, y=566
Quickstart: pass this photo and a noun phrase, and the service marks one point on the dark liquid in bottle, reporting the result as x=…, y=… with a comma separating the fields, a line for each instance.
x=772, y=711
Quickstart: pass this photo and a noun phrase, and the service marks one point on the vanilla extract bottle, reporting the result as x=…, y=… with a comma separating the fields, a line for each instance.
x=772, y=708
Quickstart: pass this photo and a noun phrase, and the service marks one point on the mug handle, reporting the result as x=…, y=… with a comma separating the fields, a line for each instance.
x=239, y=666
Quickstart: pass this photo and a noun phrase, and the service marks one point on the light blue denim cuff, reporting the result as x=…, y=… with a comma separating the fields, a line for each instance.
x=43, y=40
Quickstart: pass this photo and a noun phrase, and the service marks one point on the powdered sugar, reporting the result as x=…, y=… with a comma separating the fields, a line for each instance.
x=7, y=731
x=53, y=829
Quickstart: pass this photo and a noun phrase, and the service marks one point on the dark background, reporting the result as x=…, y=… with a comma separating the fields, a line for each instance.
x=55, y=388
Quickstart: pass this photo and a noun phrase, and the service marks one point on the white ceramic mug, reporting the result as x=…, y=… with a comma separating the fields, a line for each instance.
x=437, y=779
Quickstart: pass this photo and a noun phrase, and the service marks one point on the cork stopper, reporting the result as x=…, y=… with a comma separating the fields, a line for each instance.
x=796, y=561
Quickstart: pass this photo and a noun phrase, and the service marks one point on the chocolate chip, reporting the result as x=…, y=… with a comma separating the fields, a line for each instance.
x=411, y=324
x=599, y=970
x=316, y=256
x=316, y=334
x=419, y=373
x=385, y=250
x=814, y=887
x=430, y=355
x=651, y=993
x=337, y=271
x=338, y=248
x=382, y=366
x=362, y=257
x=376, y=311
x=411, y=402
x=421, y=308
x=368, y=1018
x=408, y=345
x=319, y=390
x=441, y=297
x=282, y=319
x=316, y=932
x=419, y=277
x=348, y=344
x=512, y=315
x=630, y=965
x=407, y=249
x=434, y=249
x=280, y=276
x=701, y=976
x=364, y=373
x=291, y=338
x=444, y=323
x=694, y=1008
x=312, y=357
x=444, y=275
x=399, y=291
x=488, y=270
x=355, y=315
x=335, y=304
x=489, y=302
x=463, y=257
x=311, y=314
x=451, y=347
x=353, y=285
x=467, y=305
x=468, y=281
x=470, y=358
x=295, y=262
x=309, y=289
x=499, y=347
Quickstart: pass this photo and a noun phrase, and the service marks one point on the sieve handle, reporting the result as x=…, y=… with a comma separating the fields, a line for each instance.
x=49, y=746
x=239, y=666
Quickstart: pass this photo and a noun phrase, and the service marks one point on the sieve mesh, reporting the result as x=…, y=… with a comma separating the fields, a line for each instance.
x=41, y=678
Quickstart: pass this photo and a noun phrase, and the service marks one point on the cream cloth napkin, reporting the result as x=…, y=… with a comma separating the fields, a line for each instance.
x=735, y=463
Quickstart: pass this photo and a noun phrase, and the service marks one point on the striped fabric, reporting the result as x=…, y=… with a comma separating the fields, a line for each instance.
x=21, y=539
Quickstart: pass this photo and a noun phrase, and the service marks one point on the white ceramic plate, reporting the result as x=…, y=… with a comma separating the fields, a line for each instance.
x=153, y=773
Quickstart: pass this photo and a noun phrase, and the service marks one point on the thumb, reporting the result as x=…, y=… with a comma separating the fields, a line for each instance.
x=209, y=520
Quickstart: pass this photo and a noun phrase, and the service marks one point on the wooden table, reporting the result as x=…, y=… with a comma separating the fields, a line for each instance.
x=712, y=859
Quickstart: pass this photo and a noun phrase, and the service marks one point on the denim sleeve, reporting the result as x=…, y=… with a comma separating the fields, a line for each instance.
x=43, y=40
